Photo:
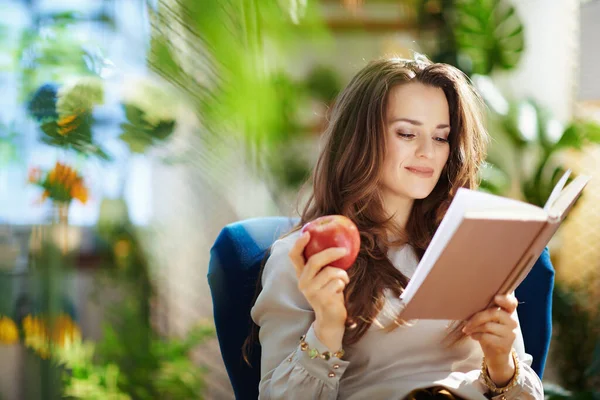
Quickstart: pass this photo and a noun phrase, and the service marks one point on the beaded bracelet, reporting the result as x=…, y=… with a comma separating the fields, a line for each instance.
x=314, y=353
x=485, y=375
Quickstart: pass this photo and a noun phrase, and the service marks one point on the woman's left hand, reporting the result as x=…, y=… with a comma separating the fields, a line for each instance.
x=494, y=329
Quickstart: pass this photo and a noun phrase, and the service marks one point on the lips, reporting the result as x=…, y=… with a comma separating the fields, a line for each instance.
x=421, y=171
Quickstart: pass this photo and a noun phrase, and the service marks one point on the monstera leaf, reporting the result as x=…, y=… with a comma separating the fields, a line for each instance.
x=490, y=33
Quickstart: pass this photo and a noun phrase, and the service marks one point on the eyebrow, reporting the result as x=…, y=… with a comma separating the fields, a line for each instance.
x=417, y=123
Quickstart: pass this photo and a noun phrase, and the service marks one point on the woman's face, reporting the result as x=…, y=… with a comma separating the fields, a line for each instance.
x=417, y=127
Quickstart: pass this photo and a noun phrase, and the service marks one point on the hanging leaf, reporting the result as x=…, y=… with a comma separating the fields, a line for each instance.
x=73, y=132
x=490, y=33
x=139, y=133
x=82, y=94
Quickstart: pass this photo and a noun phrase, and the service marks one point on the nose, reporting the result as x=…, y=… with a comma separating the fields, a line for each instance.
x=425, y=147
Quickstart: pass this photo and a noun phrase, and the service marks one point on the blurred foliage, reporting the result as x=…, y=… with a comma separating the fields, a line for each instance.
x=489, y=33
x=60, y=71
x=49, y=265
x=524, y=160
x=164, y=370
x=49, y=51
x=79, y=95
x=323, y=83
x=225, y=56
x=150, y=367
x=476, y=36
x=9, y=149
x=83, y=379
x=139, y=134
x=65, y=114
x=576, y=352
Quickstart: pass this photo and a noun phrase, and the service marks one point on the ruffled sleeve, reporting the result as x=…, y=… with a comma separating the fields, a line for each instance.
x=284, y=315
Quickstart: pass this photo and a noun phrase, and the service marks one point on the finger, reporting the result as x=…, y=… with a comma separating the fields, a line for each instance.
x=319, y=260
x=507, y=302
x=334, y=286
x=296, y=253
x=490, y=340
x=496, y=316
x=492, y=344
x=490, y=315
x=327, y=274
x=493, y=328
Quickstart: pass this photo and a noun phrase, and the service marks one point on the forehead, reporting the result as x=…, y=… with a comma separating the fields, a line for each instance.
x=417, y=101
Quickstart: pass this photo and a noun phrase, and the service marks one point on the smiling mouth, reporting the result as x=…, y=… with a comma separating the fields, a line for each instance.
x=422, y=172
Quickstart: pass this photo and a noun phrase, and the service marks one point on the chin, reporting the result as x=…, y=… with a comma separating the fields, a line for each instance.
x=420, y=195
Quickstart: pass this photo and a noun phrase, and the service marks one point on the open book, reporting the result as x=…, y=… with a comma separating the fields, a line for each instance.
x=485, y=245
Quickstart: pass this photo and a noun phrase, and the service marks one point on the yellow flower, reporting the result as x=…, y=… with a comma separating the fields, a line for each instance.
x=64, y=332
x=9, y=334
x=69, y=123
x=79, y=192
x=52, y=176
x=64, y=184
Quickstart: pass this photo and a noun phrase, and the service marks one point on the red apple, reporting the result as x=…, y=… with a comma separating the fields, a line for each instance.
x=333, y=231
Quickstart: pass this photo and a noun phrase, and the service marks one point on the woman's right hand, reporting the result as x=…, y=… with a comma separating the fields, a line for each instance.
x=323, y=288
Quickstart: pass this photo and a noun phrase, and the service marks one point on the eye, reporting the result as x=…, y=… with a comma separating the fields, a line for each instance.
x=405, y=135
x=441, y=140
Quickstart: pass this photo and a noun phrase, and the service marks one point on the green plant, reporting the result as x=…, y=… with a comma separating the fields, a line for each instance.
x=524, y=160
x=323, y=83
x=83, y=379
x=9, y=151
x=162, y=369
x=224, y=55
x=150, y=366
x=56, y=55
x=576, y=352
x=476, y=36
x=489, y=33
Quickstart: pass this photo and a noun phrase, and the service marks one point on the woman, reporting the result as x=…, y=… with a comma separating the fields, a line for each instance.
x=403, y=136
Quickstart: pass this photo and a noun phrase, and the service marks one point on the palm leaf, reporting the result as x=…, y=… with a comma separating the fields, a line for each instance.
x=224, y=56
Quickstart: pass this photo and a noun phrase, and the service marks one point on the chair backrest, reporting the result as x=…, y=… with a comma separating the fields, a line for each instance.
x=235, y=262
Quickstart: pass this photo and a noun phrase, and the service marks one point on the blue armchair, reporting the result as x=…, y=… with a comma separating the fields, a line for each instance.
x=235, y=260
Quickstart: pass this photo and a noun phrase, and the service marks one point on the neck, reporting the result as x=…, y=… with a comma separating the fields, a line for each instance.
x=400, y=208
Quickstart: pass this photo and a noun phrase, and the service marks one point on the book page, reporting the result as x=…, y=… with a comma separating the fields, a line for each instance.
x=568, y=196
x=533, y=214
x=466, y=200
x=556, y=191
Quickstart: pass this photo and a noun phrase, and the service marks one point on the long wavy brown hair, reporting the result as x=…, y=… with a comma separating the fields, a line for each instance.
x=346, y=178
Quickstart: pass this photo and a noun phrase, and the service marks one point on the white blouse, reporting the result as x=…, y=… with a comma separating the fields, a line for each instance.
x=382, y=365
